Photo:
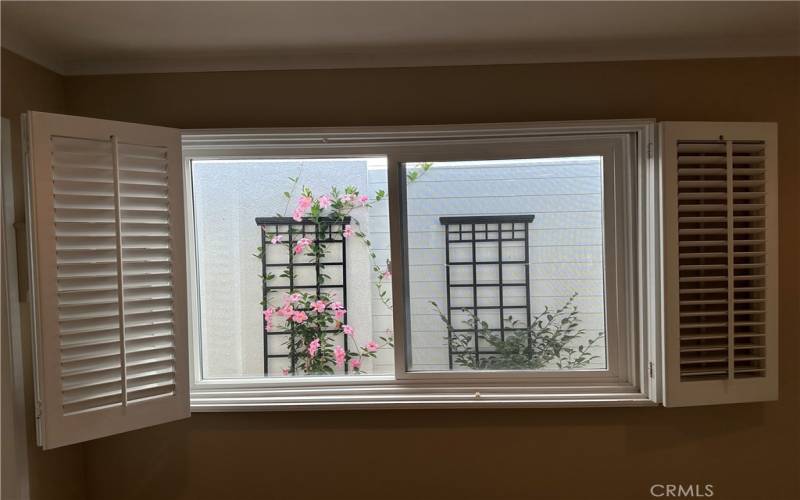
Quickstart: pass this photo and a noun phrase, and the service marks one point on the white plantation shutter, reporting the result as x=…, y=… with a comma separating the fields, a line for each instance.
x=720, y=262
x=107, y=233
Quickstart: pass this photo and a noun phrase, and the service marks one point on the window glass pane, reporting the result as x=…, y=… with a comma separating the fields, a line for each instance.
x=284, y=250
x=506, y=264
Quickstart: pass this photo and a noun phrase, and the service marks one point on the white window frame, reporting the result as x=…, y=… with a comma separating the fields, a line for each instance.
x=14, y=421
x=633, y=375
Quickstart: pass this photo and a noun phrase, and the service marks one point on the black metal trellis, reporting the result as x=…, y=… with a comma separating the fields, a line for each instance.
x=290, y=232
x=474, y=230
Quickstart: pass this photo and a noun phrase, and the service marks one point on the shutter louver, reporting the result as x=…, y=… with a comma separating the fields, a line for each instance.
x=145, y=230
x=703, y=259
x=86, y=273
x=109, y=306
x=720, y=245
x=749, y=258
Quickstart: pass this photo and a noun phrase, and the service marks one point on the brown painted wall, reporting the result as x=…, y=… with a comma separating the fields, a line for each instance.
x=27, y=86
x=747, y=451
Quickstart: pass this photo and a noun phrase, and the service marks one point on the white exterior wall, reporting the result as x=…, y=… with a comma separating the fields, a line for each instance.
x=565, y=246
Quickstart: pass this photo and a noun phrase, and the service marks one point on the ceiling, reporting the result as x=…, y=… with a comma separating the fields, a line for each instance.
x=139, y=37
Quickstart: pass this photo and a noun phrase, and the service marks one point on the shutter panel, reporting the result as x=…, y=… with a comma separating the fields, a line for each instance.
x=720, y=262
x=109, y=307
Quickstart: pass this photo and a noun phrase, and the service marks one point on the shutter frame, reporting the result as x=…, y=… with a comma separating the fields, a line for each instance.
x=732, y=386
x=55, y=427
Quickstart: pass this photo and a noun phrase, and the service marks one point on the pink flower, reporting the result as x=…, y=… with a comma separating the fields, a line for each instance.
x=299, y=316
x=295, y=297
x=276, y=239
x=363, y=199
x=302, y=245
x=347, y=329
x=286, y=311
x=324, y=201
x=347, y=198
x=387, y=275
x=355, y=363
x=304, y=203
x=285, y=371
x=318, y=306
x=268, y=317
x=347, y=231
x=313, y=347
x=338, y=355
x=335, y=305
x=372, y=346
x=339, y=314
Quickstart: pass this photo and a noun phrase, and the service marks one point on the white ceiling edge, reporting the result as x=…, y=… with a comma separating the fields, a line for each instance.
x=601, y=51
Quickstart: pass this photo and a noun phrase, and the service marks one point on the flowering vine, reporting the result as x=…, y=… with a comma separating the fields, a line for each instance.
x=316, y=319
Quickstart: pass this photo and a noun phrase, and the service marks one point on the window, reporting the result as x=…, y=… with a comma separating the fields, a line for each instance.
x=525, y=266
x=505, y=264
x=513, y=257
x=515, y=283
x=292, y=259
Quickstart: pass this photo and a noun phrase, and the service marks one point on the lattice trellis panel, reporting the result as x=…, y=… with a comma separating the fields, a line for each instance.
x=300, y=273
x=486, y=257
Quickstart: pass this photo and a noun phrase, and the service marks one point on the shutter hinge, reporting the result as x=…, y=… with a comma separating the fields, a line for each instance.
x=651, y=369
x=649, y=150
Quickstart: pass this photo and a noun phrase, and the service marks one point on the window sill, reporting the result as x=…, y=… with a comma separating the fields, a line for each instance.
x=382, y=395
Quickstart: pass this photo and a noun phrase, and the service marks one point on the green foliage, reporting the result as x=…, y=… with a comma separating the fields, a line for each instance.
x=419, y=171
x=288, y=194
x=550, y=340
